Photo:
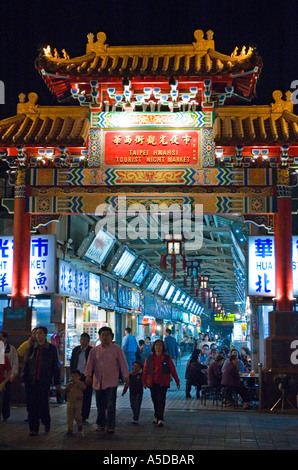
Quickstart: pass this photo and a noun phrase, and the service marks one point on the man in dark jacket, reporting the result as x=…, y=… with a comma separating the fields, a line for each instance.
x=41, y=366
x=78, y=361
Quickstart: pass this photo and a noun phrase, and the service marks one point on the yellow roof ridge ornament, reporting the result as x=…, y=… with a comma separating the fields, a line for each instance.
x=202, y=44
x=47, y=51
x=99, y=45
x=29, y=107
x=280, y=105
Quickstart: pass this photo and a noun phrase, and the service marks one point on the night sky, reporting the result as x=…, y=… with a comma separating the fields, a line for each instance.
x=29, y=25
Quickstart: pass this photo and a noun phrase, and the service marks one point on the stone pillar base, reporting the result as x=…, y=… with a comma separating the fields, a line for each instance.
x=281, y=360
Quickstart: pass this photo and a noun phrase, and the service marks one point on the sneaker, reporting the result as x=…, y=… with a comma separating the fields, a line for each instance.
x=188, y=396
x=154, y=421
x=69, y=433
x=33, y=433
x=100, y=428
x=160, y=423
x=110, y=431
x=134, y=421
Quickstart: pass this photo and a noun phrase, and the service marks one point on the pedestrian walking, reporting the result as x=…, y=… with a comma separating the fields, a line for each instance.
x=102, y=370
x=171, y=346
x=5, y=373
x=78, y=361
x=74, y=396
x=11, y=353
x=130, y=347
x=157, y=372
x=41, y=367
x=135, y=390
x=147, y=349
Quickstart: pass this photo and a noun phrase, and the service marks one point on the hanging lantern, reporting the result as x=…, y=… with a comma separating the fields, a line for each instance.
x=173, y=265
x=183, y=261
x=174, y=244
x=192, y=287
x=163, y=259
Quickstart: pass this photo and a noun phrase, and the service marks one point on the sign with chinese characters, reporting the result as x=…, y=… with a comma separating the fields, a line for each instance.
x=295, y=264
x=73, y=281
x=6, y=257
x=142, y=147
x=261, y=266
x=94, y=287
x=42, y=264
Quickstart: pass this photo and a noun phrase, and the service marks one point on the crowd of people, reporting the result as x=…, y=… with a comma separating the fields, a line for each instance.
x=138, y=365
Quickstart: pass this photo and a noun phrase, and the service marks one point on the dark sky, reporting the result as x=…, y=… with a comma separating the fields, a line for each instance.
x=28, y=25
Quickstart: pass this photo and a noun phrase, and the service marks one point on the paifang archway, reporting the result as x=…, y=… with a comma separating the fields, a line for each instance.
x=156, y=124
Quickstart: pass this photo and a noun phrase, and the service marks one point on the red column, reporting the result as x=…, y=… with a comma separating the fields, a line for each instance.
x=21, y=245
x=283, y=254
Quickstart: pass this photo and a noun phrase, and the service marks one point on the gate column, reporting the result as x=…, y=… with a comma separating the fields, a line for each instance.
x=21, y=244
x=280, y=360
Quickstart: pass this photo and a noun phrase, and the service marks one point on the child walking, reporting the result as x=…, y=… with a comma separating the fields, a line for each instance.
x=74, y=396
x=135, y=390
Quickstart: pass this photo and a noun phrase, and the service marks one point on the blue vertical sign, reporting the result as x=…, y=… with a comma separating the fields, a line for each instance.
x=295, y=265
x=42, y=264
x=6, y=259
x=73, y=281
x=261, y=266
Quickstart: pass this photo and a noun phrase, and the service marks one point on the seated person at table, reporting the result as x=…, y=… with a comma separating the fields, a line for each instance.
x=194, y=374
x=214, y=373
x=231, y=380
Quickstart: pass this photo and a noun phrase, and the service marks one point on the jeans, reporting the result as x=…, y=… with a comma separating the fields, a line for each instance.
x=188, y=388
x=1, y=402
x=6, y=401
x=130, y=358
x=135, y=403
x=87, y=399
x=38, y=405
x=106, y=407
x=158, y=395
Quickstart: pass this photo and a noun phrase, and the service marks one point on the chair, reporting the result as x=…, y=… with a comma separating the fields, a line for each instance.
x=228, y=392
x=209, y=392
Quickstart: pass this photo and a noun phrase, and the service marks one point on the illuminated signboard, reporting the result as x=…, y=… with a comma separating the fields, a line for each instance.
x=261, y=266
x=124, y=263
x=100, y=247
x=140, y=273
x=163, y=288
x=229, y=317
x=6, y=256
x=42, y=264
x=176, y=296
x=295, y=264
x=73, y=281
x=154, y=282
x=170, y=292
x=131, y=147
x=94, y=287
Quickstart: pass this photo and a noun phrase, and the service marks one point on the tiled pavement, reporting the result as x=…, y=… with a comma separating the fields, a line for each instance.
x=189, y=426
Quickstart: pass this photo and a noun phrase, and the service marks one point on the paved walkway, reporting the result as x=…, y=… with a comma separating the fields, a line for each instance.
x=189, y=426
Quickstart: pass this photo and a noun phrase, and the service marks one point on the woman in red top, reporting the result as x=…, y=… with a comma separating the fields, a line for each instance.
x=157, y=372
